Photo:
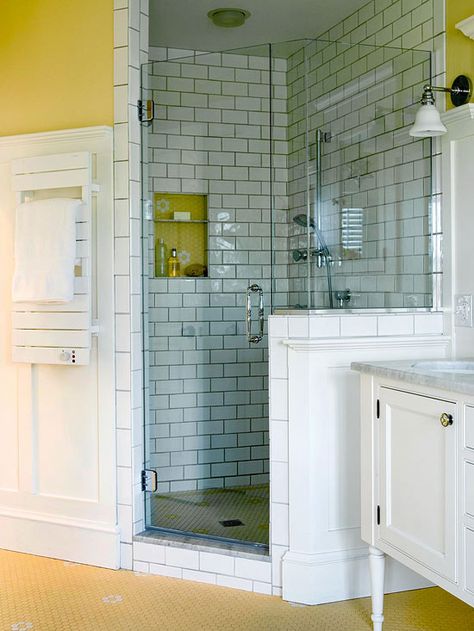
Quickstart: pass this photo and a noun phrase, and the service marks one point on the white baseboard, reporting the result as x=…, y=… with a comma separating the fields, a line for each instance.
x=320, y=578
x=92, y=544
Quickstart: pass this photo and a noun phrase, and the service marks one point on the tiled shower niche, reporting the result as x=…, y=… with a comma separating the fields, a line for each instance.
x=180, y=223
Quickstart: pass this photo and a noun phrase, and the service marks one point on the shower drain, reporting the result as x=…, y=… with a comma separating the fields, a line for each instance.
x=228, y=523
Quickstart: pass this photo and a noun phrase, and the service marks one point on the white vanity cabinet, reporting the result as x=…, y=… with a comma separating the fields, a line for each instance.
x=417, y=491
x=417, y=478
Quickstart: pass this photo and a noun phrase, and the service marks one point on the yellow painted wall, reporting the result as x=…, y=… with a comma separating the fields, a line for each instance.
x=459, y=48
x=56, y=64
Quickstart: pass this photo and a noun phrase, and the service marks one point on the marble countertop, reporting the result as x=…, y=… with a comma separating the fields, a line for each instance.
x=450, y=375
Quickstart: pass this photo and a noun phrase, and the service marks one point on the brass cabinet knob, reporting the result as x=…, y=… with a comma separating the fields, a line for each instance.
x=446, y=419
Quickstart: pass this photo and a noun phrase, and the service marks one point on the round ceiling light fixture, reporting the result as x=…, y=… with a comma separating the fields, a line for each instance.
x=228, y=18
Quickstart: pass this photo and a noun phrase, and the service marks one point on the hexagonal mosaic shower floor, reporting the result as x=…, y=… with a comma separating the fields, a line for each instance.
x=240, y=513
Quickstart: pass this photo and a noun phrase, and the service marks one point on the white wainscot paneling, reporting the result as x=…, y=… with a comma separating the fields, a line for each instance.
x=57, y=447
x=326, y=558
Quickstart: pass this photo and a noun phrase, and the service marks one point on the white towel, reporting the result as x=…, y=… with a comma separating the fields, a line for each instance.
x=45, y=251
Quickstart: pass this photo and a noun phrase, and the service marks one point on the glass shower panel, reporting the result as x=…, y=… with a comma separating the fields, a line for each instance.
x=208, y=188
x=359, y=187
x=371, y=193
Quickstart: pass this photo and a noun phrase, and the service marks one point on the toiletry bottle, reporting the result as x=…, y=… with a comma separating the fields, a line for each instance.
x=160, y=259
x=173, y=264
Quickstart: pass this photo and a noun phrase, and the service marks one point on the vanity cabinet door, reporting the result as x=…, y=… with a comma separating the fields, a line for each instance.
x=417, y=491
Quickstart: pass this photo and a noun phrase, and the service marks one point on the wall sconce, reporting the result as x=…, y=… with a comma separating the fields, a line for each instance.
x=428, y=121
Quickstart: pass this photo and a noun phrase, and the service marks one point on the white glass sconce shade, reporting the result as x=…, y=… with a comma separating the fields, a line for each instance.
x=427, y=122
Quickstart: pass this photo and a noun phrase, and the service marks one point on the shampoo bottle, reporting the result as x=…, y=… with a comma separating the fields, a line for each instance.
x=173, y=264
x=160, y=259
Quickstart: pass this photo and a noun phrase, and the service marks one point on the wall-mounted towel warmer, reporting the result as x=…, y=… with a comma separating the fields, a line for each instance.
x=58, y=333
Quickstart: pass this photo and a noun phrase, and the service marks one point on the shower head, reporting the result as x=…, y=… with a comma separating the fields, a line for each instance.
x=302, y=220
x=305, y=222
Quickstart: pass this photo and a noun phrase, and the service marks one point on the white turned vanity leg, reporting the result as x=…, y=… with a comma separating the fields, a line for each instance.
x=377, y=569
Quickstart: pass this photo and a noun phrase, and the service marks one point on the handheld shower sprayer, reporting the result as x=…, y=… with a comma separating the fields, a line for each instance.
x=302, y=220
x=323, y=252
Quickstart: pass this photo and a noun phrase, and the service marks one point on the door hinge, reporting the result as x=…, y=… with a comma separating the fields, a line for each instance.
x=378, y=515
x=149, y=480
x=378, y=408
x=146, y=111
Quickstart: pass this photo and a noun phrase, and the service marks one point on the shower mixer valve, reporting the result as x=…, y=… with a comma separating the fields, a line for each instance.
x=343, y=297
x=302, y=255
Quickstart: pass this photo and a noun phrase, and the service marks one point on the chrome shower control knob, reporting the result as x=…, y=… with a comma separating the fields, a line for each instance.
x=446, y=419
x=64, y=356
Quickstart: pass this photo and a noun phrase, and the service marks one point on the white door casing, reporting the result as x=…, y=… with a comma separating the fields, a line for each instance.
x=458, y=219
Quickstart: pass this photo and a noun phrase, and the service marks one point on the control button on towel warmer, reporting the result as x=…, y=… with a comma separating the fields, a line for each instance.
x=255, y=289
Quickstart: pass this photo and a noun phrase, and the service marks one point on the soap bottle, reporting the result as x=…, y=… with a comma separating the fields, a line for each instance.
x=173, y=264
x=160, y=259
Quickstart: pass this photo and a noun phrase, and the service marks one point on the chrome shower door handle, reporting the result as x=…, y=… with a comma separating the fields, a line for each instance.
x=255, y=289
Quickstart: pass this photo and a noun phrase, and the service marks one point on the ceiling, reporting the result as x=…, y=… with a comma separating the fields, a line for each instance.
x=184, y=23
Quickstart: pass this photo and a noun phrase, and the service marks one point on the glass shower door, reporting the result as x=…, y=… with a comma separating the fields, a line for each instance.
x=207, y=182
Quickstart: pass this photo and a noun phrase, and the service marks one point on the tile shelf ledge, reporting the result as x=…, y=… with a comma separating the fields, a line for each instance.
x=180, y=220
x=283, y=311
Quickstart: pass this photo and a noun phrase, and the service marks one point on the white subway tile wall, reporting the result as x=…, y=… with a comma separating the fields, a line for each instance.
x=209, y=140
x=212, y=136
x=217, y=567
x=130, y=50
